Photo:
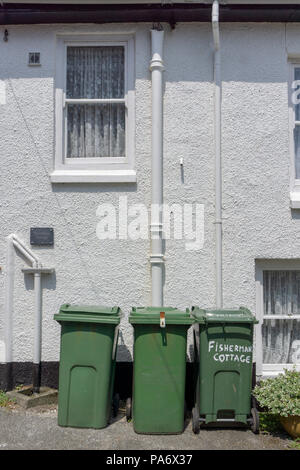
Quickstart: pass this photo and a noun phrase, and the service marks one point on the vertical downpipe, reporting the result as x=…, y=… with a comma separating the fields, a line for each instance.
x=14, y=243
x=8, y=312
x=156, y=226
x=36, y=372
x=218, y=161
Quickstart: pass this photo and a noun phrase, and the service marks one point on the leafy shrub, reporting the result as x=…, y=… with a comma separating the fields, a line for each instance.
x=269, y=423
x=295, y=444
x=4, y=399
x=281, y=394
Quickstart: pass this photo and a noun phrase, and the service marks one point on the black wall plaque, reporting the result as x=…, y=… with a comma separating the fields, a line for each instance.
x=42, y=236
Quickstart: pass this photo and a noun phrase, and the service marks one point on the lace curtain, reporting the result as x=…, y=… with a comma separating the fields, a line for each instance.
x=297, y=131
x=93, y=129
x=281, y=338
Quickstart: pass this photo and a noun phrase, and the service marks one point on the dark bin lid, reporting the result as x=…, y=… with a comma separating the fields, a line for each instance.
x=88, y=314
x=242, y=315
x=151, y=315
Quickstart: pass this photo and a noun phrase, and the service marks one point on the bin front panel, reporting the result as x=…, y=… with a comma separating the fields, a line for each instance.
x=159, y=378
x=86, y=374
x=225, y=370
x=82, y=399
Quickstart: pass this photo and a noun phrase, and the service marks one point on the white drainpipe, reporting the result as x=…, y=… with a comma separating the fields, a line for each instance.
x=156, y=228
x=14, y=243
x=25, y=251
x=8, y=312
x=218, y=162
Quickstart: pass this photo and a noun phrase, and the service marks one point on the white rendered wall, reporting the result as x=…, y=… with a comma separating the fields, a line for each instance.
x=258, y=222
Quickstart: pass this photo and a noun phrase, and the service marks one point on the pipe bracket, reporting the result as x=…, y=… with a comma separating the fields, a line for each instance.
x=156, y=64
x=157, y=258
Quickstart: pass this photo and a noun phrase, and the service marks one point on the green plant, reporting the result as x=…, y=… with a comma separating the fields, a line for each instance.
x=280, y=395
x=269, y=423
x=295, y=444
x=4, y=399
x=19, y=387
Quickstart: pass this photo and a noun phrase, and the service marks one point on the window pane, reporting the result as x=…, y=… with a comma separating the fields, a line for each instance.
x=281, y=292
x=281, y=341
x=95, y=72
x=96, y=130
x=297, y=150
x=297, y=106
x=281, y=338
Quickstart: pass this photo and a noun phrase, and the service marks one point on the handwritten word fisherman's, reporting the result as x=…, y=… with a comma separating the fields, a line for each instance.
x=230, y=352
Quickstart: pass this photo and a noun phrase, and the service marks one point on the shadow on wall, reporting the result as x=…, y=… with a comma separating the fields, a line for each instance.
x=123, y=353
x=94, y=188
x=190, y=355
x=295, y=213
x=48, y=281
x=187, y=51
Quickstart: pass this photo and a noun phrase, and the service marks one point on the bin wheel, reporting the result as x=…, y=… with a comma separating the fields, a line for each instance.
x=185, y=410
x=195, y=421
x=128, y=409
x=115, y=405
x=254, y=421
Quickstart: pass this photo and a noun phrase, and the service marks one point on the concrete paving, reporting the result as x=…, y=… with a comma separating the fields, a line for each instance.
x=37, y=428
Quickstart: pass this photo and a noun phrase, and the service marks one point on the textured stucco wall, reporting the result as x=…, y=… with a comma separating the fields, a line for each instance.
x=258, y=222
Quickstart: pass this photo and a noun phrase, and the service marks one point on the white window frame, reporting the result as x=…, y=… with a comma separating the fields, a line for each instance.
x=294, y=183
x=94, y=170
x=261, y=266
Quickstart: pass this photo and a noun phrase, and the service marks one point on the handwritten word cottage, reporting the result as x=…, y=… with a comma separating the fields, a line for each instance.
x=230, y=352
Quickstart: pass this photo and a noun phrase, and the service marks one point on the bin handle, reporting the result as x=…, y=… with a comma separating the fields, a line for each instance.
x=162, y=320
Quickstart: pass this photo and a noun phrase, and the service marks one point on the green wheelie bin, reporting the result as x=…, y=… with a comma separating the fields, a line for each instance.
x=89, y=338
x=223, y=345
x=159, y=369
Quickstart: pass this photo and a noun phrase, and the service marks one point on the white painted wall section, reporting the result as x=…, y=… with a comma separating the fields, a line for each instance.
x=257, y=219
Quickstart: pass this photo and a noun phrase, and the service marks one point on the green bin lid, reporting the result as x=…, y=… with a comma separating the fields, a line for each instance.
x=151, y=315
x=88, y=314
x=242, y=315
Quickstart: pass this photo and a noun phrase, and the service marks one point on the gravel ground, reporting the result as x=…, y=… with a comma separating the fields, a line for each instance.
x=37, y=428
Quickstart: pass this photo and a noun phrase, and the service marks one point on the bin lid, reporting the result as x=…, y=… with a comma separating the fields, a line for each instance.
x=88, y=314
x=242, y=315
x=151, y=315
